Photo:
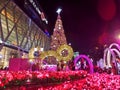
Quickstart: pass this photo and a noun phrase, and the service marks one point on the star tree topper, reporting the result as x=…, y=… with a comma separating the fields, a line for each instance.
x=59, y=11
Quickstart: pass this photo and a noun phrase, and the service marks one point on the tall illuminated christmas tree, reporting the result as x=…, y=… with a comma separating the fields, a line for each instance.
x=58, y=37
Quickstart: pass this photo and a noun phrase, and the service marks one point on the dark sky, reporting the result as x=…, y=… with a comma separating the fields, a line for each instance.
x=87, y=23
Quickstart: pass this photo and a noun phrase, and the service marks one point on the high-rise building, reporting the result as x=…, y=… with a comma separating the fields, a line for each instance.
x=22, y=25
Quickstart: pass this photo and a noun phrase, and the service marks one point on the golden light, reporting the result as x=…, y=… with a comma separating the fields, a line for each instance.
x=119, y=36
x=31, y=60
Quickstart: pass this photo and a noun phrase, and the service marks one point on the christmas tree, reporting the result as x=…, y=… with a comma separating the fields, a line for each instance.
x=58, y=37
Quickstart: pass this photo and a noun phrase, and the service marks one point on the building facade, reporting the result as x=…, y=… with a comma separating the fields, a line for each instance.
x=18, y=32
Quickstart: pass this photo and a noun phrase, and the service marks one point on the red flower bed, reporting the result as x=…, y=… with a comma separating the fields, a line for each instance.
x=92, y=82
x=44, y=78
x=102, y=81
x=71, y=80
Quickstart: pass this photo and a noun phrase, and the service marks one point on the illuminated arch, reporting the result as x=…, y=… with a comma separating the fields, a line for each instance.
x=87, y=59
x=107, y=57
x=116, y=51
x=114, y=44
x=111, y=51
x=49, y=53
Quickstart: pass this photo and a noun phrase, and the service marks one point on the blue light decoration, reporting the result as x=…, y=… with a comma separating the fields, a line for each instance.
x=47, y=33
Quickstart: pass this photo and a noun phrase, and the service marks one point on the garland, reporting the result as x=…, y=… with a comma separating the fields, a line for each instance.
x=49, y=53
x=69, y=49
x=58, y=54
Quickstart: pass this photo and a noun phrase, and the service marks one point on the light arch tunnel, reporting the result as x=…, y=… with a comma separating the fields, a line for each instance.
x=91, y=70
x=111, y=52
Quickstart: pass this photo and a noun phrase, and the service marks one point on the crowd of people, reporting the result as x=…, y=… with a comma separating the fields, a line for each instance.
x=66, y=66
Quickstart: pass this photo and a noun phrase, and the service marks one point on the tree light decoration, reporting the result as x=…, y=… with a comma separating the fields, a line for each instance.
x=58, y=37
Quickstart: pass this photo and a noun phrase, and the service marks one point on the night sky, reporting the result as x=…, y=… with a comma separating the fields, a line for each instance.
x=87, y=23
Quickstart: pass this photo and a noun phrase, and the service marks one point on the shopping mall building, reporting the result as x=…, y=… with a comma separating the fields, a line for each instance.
x=21, y=28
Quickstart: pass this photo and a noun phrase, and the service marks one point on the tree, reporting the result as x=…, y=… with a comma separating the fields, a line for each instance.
x=58, y=37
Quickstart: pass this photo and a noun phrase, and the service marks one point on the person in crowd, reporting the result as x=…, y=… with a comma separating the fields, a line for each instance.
x=35, y=67
x=58, y=66
x=71, y=65
x=62, y=64
x=114, y=69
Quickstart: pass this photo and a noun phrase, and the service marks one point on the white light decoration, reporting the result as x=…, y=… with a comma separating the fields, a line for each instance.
x=79, y=62
x=69, y=44
x=1, y=56
x=110, y=54
x=59, y=25
x=41, y=49
x=35, y=49
x=30, y=60
x=65, y=62
x=59, y=28
x=59, y=10
x=1, y=41
x=46, y=21
x=35, y=6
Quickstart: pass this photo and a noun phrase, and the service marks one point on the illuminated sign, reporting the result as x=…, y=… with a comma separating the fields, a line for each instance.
x=38, y=10
x=35, y=6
